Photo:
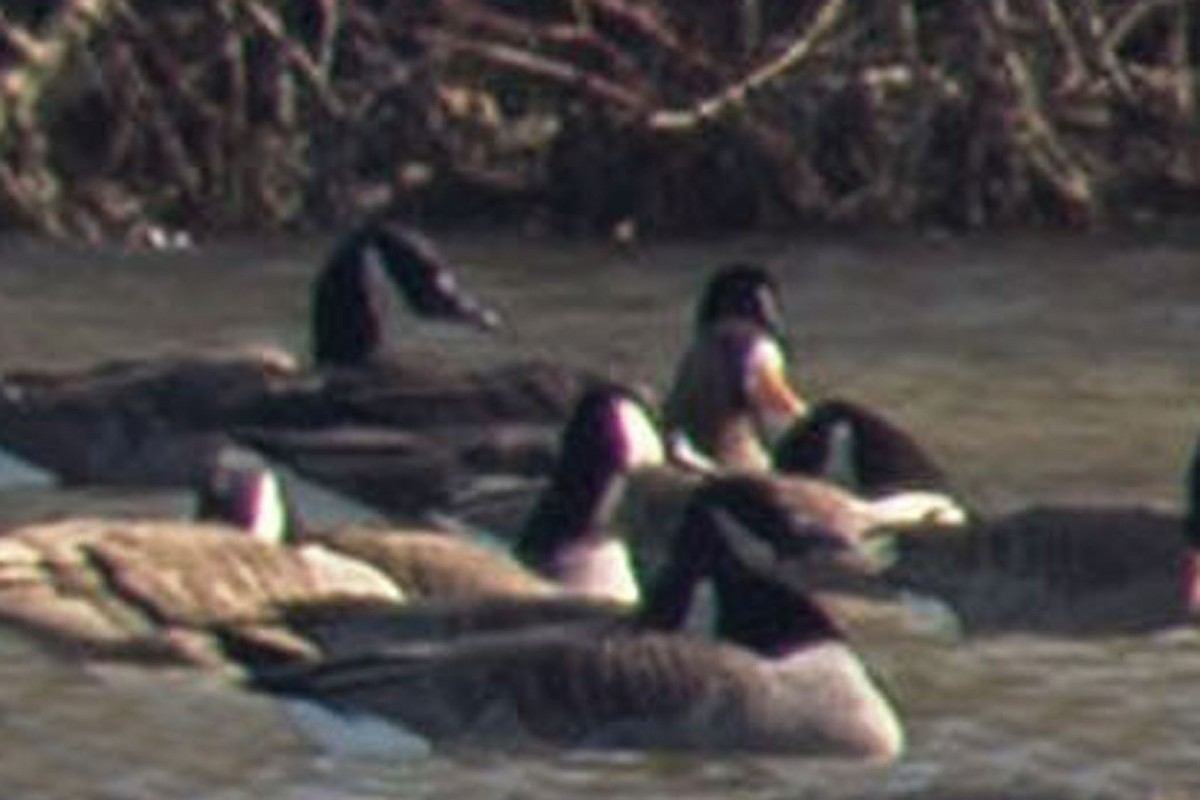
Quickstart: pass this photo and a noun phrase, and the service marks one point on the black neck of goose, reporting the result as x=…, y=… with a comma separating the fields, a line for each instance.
x=579, y=502
x=1192, y=514
x=882, y=457
x=345, y=330
x=756, y=610
x=764, y=614
x=669, y=598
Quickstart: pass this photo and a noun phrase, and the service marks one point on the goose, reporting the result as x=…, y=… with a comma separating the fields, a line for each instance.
x=1061, y=570
x=368, y=463
x=833, y=438
x=743, y=386
x=733, y=389
x=349, y=316
x=163, y=421
x=150, y=591
x=772, y=517
x=140, y=588
x=777, y=678
x=568, y=539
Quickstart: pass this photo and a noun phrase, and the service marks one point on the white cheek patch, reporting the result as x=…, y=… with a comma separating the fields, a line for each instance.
x=685, y=454
x=772, y=400
x=643, y=444
x=269, y=523
x=766, y=359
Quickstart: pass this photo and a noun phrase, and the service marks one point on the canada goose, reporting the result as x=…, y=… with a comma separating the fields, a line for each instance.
x=779, y=678
x=163, y=421
x=817, y=552
x=568, y=541
x=142, y=587
x=1054, y=569
x=349, y=318
x=154, y=590
x=154, y=422
x=732, y=387
x=1061, y=570
x=833, y=438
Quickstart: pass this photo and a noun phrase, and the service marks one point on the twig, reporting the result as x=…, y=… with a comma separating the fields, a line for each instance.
x=1052, y=14
x=737, y=94
x=311, y=70
x=1042, y=147
x=541, y=67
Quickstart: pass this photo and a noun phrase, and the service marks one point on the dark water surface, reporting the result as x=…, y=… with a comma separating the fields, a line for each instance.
x=1038, y=370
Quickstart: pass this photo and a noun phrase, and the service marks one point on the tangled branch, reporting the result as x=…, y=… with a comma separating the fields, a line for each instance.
x=119, y=117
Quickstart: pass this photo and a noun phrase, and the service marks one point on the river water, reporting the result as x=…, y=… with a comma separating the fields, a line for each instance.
x=1038, y=370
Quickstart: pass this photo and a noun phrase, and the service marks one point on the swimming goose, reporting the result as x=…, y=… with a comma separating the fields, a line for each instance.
x=155, y=421
x=349, y=315
x=164, y=420
x=1062, y=570
x=828, y=556
x=732, y=388
x=568, y=540
x=1052, y=569
x=835, y=439
x=136, y=588
x=153, y=590
x=779, y=678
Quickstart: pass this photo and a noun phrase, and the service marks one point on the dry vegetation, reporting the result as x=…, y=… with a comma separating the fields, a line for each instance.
x=220, y=114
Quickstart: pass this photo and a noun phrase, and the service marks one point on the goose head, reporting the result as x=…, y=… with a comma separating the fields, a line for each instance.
x=844, y=442
x=746, y=292
x=761, y=558
x=354, y=294
x=732, y=395
x=568, y=536
x=248, y=497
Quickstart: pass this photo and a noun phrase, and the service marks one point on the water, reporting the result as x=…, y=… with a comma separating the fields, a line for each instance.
x=1038, y=370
